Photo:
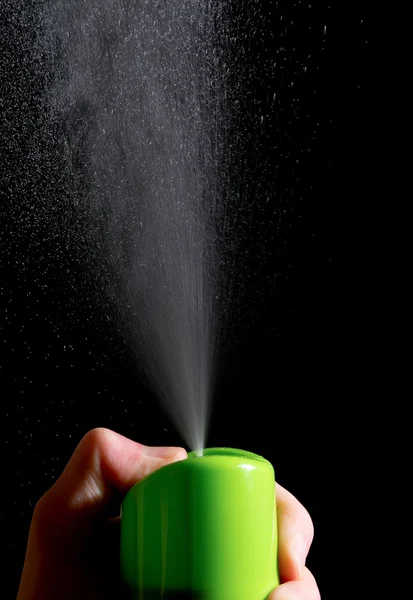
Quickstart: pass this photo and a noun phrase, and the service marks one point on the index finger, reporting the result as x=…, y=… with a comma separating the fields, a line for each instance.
x=103, y=463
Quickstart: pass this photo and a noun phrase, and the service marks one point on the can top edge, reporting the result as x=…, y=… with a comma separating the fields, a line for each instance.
x=229, y=452
x=212, y=458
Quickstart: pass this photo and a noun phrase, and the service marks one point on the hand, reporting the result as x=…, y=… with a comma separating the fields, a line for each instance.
x=295, y=531
x=73, y=547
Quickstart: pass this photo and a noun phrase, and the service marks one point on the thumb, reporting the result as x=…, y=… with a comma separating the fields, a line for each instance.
x=104, y=464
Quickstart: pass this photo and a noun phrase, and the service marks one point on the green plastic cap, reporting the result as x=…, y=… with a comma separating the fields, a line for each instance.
x=203, y=528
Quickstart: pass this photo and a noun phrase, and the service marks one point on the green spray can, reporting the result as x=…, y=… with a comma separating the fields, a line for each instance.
x=204, y=528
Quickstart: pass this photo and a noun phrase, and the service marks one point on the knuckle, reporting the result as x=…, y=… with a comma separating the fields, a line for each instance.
x=39, y=509
x=94, y=443
x=93, y=449
x=309, y=527
x=44, y=509
x=96, y=437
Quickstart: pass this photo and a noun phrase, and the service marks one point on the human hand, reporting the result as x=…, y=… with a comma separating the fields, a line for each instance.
x=73, y=547
x=295, y=536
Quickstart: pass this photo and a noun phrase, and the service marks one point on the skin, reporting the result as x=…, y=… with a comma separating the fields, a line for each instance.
x=74, y=535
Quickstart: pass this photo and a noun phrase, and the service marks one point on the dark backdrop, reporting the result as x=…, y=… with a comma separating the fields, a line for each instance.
x=319, y=344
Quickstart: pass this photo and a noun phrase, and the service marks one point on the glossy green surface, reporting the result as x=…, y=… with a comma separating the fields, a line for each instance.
x=203, y=528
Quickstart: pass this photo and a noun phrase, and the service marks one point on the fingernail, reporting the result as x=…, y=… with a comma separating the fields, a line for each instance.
x=300, y=551
x=165, y=452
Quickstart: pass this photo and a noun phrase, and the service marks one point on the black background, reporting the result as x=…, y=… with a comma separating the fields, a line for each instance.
x=316, y=351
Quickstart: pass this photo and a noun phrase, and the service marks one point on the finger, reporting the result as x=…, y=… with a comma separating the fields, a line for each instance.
x=103, y=463
x=295, y=534
x=304, y=589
